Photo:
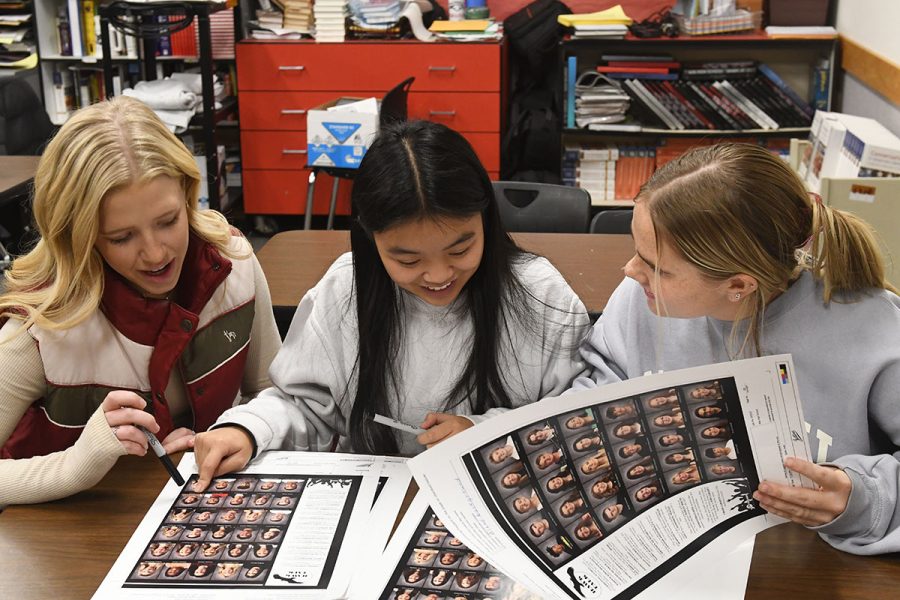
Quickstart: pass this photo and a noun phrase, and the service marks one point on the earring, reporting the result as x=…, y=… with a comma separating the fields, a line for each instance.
x=737, y=296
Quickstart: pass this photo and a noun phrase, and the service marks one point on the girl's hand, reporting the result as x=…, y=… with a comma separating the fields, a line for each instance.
x=440, y=426
x=220, y=451
x=802, y=505
x=124, y=411
x=179, y=440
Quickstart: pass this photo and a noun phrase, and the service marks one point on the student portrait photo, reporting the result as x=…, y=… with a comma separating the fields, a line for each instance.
x=585, y=442
x=707, y=410
x=449, y=558
x=539, y=527
x=719, y=451
x=227, y=571
x=660, y=400
x=666, y=419
x=210, y=550
x=147, y=570
x=440, y=578
x=159, y=549
x=685, y=477
x=185, y=550
x=213, y=499
x=718, y=431
x=245, y=534
x=270, y=533
x=547, y=457
x=602, y=488
x=524, y=502
x=473, y=561
x=284, y=501
x=570, y=507
x=175, y=570
x=626, y=430
x=413, y=576
x=432, y=537
x=277, y=516
x=219, y=485
x=194, y=532
x=252, y=515
x=230, y=515
x=500, y=453
x=705, y=391
x=537, y=435
x=646, y=494
x=558, y=549
x=237, y=500
x=221, y=532
x=632, y=450
x=200, y=570
x=727, y=469
x=612, y=514
x=585, y=530
x=640, y=470
x=253, y=573
x=262, y=551
x=671, y=438
x=594, y=464
x=513, y=478
x=672, y=459
x=577, y=421
x=466, y=581
x=403, y=594
x=559, y=482
x=169, y=532
x=492, y=583
x=616, y=411
x=423, y=557
x=236, y=550
x=291, y=485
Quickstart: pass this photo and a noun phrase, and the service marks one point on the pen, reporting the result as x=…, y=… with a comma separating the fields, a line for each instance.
x=161, y=453
x=398, y=424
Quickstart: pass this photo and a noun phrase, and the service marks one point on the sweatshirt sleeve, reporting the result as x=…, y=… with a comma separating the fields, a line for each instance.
x=300, y=411
x=605, y=342
x=871, y=522
x=264, y=339
x=56, y=475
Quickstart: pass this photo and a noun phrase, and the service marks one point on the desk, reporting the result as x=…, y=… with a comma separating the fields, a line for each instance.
x=294, y=261
x=16, y=173
x=64, y=549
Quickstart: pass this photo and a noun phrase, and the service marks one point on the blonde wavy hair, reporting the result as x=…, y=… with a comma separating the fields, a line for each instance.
x=100, y=149
x=734, y=209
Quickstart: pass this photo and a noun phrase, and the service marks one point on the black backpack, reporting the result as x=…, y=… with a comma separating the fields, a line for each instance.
x=533, y=33
x=532, y=142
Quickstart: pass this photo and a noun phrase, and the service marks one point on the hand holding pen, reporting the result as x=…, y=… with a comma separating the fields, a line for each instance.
x=135, y=428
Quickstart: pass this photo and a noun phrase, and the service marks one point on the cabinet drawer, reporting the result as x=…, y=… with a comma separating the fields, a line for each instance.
x=284, y=193
x=273, y=149
x=487, y=147
x=353, y=67
x=475, y=111
x=284, y=111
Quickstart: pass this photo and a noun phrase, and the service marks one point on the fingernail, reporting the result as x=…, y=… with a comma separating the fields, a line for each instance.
x=764, y=488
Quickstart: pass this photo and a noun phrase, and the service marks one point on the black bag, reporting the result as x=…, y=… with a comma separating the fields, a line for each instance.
x=533, y=33
x=532, y=142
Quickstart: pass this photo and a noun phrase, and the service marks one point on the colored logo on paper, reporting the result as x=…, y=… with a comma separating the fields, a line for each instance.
x=341, y=131
x=782, y=370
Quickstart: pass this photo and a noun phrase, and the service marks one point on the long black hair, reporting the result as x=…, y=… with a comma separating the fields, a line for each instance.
x=422, y=170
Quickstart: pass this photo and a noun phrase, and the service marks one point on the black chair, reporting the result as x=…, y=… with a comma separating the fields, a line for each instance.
x=617, y=220
x=392, y=109
x=24, y=125
x=542, y=207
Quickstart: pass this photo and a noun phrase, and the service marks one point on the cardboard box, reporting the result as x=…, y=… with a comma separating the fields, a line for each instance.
x=340, y=137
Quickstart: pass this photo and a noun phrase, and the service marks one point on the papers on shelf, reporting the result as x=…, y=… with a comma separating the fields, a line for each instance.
x=612, y=16
x=826, y=32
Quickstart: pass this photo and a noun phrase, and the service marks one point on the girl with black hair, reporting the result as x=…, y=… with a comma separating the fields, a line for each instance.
x=436, y=317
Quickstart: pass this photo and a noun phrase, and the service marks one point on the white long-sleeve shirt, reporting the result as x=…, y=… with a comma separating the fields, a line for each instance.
x=315, y=381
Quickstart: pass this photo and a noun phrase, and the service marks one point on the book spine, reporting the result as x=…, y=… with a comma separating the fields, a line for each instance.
x=670, y=113
x=705, y=91
x=700, y=119
x=643, y=109
x=87, y=22
x=64, y=34
x=571, y=77
x=75, y=27
x=820, y=84
x=684, y=118
x=746, y=105
x=786, y=89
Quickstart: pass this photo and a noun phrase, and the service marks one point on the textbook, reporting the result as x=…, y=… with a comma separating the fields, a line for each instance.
x=637, y=486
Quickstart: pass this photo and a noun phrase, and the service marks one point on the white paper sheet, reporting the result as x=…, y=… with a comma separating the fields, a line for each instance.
x=291, y=525
x=565, y=499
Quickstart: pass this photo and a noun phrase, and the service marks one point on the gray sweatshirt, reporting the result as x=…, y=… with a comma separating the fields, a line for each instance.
x=847, y=358
x=315, y=383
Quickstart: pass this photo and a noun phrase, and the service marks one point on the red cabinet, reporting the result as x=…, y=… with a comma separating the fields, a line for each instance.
x=459, y=85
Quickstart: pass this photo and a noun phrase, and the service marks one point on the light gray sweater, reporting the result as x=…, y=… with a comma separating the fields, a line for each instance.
x=847, y=358
x=315, y=382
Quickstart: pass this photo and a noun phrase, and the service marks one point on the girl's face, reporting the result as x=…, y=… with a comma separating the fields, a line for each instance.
x=680, y=291
x=430, y=259
x=144, y=234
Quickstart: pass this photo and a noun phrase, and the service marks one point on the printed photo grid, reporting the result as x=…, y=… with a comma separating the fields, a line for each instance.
x=229, y=534
x=439, y=567
x=568, y=482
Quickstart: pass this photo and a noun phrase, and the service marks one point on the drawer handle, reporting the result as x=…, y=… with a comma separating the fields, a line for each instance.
x=442, y=113
x=291, y=68
x=451, y=69
x=290, y=151
x=293, y=111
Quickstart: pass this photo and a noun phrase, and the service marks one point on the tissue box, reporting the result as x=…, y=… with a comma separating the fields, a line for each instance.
x=338, y=138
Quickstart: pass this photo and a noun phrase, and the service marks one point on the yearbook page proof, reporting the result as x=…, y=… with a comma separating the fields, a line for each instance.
x=598, y=494
x=291, y=525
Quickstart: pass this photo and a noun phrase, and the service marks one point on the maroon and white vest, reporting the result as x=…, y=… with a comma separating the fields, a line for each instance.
x=133, y=343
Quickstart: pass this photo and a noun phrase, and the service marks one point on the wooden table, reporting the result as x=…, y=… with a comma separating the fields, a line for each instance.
x=63, y=549
x=294, y=261
x=16, y=173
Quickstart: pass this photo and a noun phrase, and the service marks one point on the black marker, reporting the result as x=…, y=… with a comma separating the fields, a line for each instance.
x=161, y=453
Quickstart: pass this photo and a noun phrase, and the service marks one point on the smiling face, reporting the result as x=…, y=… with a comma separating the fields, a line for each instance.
x=432, y=259
x=680, y=290
x=144, y=234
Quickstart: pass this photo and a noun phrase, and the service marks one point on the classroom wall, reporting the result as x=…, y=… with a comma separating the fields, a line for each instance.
x=872, y=24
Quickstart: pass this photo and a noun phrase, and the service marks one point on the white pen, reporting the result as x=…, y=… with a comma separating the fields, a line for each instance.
x=398, y=424
x=159, y=451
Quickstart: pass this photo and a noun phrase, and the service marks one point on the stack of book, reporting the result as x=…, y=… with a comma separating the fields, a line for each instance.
x=329, y=20
x=592, y=168
x=608, y=24
x=298, y=15
x=718, y=96
x=600, y=103
x=646, y=67
x=221, y=26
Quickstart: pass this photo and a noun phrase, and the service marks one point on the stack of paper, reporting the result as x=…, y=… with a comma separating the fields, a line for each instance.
x=298, y=15
x=329, y=19
x=469, y=30
x=610, y=23
x=375, y=14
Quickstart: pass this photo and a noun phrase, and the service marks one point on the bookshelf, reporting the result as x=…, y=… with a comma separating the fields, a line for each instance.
x=791, y=59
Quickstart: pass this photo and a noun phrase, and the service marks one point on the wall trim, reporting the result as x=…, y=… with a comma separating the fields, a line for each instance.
x=879, y=73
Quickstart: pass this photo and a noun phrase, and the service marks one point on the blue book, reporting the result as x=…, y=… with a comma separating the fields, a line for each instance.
x=571, y=76
x=788, y=91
